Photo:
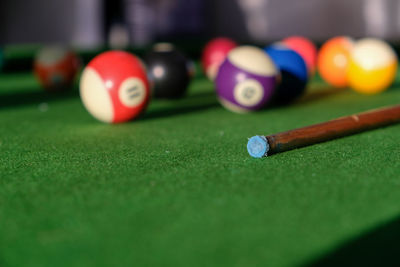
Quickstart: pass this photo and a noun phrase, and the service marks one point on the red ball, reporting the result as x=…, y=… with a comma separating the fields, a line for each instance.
x=56, y=68
x=214, y=54
x=306, y=49
x=114, y=87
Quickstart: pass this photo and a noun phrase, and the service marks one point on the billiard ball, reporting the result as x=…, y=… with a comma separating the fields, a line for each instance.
x=372, y=67
x=246, y=79
x=114, y=87
x=306, y=49
x=214, y=53
x=293, y=73
x=169, y=71
x=56, y=67
x=333, y=60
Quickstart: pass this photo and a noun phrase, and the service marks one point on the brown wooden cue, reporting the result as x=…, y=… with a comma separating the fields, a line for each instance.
x=261, y=146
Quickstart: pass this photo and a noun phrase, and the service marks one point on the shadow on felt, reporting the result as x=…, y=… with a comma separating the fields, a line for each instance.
x=206, y=100
x=377, y=247
x=319, y=94
x=192, y=103
x=314, y=95
x=195, y=102
x=14, y=99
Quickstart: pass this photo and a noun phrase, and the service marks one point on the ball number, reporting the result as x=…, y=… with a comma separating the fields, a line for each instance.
x=248, y=93
x=132, y=92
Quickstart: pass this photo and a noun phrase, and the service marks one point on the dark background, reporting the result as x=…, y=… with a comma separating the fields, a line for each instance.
x=89, y=23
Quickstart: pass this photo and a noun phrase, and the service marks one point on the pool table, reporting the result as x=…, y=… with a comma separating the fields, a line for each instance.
x=176, y=187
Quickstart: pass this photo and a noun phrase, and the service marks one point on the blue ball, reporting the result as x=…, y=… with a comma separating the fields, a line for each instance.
x=293, y=70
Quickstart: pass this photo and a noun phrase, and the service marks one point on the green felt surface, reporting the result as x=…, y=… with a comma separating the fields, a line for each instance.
x=177, y=187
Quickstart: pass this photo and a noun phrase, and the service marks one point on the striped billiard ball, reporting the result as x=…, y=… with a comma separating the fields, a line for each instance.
x=114, y=87
x=293, y=73
x=373, y=66
x=56, y=67
x=246, y=79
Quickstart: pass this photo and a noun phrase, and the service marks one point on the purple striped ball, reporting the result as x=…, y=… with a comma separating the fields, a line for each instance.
x=246, y=79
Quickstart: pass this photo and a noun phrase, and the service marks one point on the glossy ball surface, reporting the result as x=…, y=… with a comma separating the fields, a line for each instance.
x=373, y=66
x=56, y=67
x=246, y=79
x=114, y=87
x=333, y=60
x=293, y=73
x=169, y=71
x=305, y=48
x=214, y=53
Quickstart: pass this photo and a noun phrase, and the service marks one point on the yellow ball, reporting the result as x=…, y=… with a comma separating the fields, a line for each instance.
x=372, y=67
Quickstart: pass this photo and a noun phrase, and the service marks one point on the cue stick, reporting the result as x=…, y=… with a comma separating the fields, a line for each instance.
x=261, y=146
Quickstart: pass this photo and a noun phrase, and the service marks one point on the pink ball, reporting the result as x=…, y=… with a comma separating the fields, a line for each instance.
x=214, y=54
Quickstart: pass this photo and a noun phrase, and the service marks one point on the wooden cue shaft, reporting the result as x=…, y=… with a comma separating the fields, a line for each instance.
x=336, y=128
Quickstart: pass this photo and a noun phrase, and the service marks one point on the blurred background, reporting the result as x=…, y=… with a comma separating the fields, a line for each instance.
x=93, y=23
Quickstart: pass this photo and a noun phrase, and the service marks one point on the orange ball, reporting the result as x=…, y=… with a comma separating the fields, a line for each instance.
x=333, y=61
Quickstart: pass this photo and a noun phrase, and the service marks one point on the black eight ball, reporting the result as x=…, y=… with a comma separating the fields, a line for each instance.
x=168, y=70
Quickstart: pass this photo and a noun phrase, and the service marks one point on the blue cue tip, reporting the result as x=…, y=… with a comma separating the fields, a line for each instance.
x=258, y=146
